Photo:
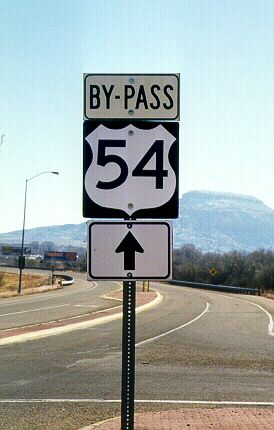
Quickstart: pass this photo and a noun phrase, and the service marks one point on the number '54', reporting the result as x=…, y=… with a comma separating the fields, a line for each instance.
x=157, y=150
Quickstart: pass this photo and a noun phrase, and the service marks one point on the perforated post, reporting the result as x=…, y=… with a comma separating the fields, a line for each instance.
x=128, y=356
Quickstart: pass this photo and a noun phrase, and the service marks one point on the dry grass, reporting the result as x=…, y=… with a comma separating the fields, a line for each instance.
x=269, y=295
x=31, y=283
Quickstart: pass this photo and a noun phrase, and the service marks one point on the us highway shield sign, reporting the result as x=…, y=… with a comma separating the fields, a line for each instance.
x=130, y=169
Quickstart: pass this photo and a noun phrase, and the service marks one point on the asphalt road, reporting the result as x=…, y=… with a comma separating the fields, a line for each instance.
x=224, y=353
x=77, y=299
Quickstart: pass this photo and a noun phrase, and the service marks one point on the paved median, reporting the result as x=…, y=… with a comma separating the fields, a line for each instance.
x=30, y=332
x=198, y=419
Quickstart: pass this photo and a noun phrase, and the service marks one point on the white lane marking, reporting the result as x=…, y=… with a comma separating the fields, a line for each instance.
x=107, y=297
x=186, y=402
x=207, y=402
x=84, y=352
x=86, y=306
x=270, y=325
x=19, y=302
x=143, y=342
x=34, y=310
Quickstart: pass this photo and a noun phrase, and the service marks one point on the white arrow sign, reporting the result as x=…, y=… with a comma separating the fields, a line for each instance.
x=129, y=250
x=131, y=169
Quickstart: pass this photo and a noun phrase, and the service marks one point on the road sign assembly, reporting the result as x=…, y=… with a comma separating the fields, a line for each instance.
x=121, y=160
x=130, y=171
x=129, y=250
x=131, y=96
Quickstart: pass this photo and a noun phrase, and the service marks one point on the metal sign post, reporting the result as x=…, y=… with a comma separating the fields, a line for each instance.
x=128, y=356
x=130, y=246
x=52, y=271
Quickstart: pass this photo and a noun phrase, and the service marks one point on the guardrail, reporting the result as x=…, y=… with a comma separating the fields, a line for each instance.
x=27, y=266
x=226, y=288
x=65, y=279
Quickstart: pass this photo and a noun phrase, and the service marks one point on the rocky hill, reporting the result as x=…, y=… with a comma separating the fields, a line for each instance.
x=61, y=235
x=211, y=221
x=223, y=222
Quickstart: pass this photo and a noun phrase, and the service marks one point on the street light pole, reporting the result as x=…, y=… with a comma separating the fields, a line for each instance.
x=21, y=262
x=22, y=243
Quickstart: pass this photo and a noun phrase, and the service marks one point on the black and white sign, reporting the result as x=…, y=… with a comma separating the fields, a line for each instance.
x=130, y=169
x=137, y=96
x=129, y=250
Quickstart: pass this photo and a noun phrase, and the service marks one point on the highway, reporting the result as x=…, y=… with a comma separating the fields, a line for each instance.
x=194, y=346
x=73, y=300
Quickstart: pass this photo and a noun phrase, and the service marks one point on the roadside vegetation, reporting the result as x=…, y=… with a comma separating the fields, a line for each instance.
x=2, y=274
x=31, y=283
x=239, y=269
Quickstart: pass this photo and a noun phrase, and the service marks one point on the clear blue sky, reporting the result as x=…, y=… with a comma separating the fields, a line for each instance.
x=223, y=50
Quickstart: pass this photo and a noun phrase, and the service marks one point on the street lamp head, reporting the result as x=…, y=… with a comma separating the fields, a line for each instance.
x=41, y=173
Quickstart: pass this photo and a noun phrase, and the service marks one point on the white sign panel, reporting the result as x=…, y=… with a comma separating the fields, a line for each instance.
x=129, y=250
x=131, y=169
x=138, y=96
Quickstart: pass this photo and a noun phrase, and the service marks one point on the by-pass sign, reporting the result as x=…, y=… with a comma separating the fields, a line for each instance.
x=136, y=96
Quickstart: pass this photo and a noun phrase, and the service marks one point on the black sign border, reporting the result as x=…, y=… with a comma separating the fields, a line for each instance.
x=170, y=210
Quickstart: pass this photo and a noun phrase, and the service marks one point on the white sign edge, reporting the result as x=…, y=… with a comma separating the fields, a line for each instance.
x=170, y=225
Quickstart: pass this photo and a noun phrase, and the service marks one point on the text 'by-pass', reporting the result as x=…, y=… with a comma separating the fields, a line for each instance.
x=137, y=96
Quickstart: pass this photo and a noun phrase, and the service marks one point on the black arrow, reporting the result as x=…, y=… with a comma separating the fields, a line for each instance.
x=129, y=246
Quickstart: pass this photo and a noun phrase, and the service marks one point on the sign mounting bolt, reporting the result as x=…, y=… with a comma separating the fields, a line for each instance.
x=131, y=80
x=131, y=112
x=130, y=132
x=130, y=206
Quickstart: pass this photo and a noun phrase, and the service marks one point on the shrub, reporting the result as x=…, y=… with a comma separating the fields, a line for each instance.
x=239, y=269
